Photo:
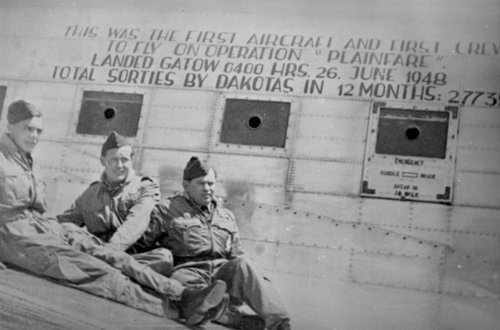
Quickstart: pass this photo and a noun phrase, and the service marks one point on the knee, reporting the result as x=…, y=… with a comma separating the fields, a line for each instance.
x=189, y=278
x=243, y=265
x=163, y=254
x=238, y=269
x=161, y=261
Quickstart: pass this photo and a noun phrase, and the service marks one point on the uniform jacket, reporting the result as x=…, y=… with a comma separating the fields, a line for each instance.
x=117, y=215
x=193, y=234
x=20, y=191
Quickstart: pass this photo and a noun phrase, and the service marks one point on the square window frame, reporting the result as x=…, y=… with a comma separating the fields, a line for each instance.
x=136, y=128
x=403, y=177
x=236, y=132
x=220, y=147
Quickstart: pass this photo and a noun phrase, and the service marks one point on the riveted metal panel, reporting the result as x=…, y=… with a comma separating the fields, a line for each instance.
x=259, y=193
x=477, y=189
x=297, y=289
x=178, y=119
x=103, y=112
x=67, y=170
x=431, y=217
x=49, y=170
x=385, y=213
x=331, y=137
x=294, y=227
x=476, y=220
x=479, y=130
x=265, y=252
x=339, y=208
x=409, y=310
x=263, y=171
x=426, y=223
x=470, y=269
x=82, y=159
x=64, y=188
x=479, y=160
x=255, y=122
x=410, y=153
x=401, y=272
x=167, y=166
x=323, y=263
x=459, y=312
x=331, y=129
x=327, y=177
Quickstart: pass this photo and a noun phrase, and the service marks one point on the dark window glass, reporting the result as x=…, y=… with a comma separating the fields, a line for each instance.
x=103, y=112
x=254, y=122
x=416, y=133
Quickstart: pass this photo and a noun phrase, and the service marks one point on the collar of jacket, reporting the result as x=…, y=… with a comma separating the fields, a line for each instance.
x=213, y=204
x=10, y=148
x=113, y=188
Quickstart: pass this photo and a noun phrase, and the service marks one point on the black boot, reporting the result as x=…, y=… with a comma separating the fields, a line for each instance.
x=241, y=321
x=284, y=325
x=217, y=312
x=194, y=304
x=252, y=322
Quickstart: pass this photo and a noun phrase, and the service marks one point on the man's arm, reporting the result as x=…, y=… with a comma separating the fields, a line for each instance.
x=15, y=192
x=158, y=225
x=236, y=250
x=73, y=215
x=138, y=218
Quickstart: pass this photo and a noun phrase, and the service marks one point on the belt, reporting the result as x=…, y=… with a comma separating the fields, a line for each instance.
x=203, y=257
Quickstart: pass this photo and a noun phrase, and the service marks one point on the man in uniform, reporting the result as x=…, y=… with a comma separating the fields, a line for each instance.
x=66, y=252
x=204, y=240
x=117, y=208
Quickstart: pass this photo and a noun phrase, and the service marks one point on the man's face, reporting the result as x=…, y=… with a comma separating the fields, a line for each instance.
x=201, y=190
x=26, y=133
x=117, y=163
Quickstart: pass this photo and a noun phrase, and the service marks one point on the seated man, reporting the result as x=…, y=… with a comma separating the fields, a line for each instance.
x=66, y=252
x=203, y=238
x=117, y=208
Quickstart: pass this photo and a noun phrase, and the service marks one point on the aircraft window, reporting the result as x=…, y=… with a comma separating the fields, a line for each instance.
x=109, y=113
x=412, y=132
x=419, y=133
x=103, y=112
x=3, y=91
x=255, y=122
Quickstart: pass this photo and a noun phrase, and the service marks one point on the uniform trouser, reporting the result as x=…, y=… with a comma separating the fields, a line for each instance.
x=70, y=254
x=160, y=260
x=244, y=283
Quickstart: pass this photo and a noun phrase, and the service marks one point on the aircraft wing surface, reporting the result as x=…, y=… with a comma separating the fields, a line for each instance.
x=31, y=302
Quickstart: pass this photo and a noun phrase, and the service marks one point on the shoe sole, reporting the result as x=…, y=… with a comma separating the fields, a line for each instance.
x=221, y=308
x=252, y=322
x=211, y=300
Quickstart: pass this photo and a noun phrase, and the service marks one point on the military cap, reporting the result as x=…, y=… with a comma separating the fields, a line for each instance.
x=21, y=110
x=114, y=141
x=196, y=168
